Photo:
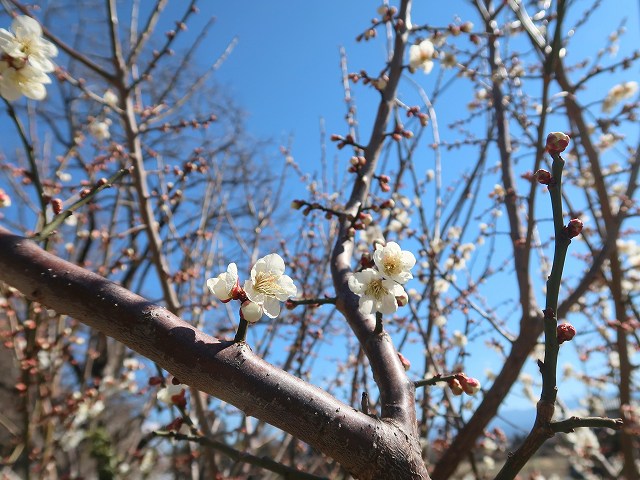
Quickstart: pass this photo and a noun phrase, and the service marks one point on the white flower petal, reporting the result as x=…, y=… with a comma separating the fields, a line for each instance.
x=251, y=312
x=271, y=307
x=26, y=27
x=366, y=305
x=388, y=305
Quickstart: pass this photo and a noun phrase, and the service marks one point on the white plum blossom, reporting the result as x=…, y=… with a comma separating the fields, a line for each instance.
x=377, y=294
x=26, y=44
x=25, y=59
x=100, y=129
x=251, y=312
x=459, y=339
x=27, y=81
x=223, y=285
x=5, y=199
x=618, y=93
x=268, y=285
x=421, y=56
x=110, y=98
x=394, y=263
x=168, y=393
x=440, y=321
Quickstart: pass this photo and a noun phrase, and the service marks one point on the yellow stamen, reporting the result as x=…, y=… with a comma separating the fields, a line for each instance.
x=267, y=284
x=376, y=290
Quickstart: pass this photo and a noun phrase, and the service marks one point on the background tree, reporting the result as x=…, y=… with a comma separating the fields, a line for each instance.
x=190, y=194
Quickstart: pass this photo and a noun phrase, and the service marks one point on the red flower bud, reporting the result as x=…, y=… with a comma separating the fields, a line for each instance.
x=574, y=227
x=557, y=142
x=56, y=205
x=565, y=332
x=455, y=386
x=543, y=177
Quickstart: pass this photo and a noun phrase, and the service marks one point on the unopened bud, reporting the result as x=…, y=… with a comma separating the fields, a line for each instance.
x=402, y=300
x=405, y=362
x=466, y=27
x=297, y=204
x=574, y=227
x=455, y=386
x=389, y=203
x=366, y=218
x=565, y=332
x=56, y=205
x=543, y=177
x=471, y=386
x=557, y=142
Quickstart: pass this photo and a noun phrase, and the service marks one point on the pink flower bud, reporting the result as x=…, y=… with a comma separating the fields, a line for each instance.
x=574, y=227
x=565, y=332
x=56, y=205
x=543, y=177
x=471, y=386
x=402, y=300
x=557, y=142
x=405, y=362
x=366, y=218
x=455, y=386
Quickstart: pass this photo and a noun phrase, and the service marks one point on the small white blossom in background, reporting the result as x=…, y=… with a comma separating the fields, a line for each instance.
x=5, y=199
x=400, y=220
x=618, y=93
x=170, y=393
x=459, y=339
x=430, y=175
x=377, y=294
x=26, y=60
x=440, y=321
x=223, y=285
x=421, y=56
x=100, y=129
x=110, y=98
x=607, y=140
x=449, y=60
x=394, y=263
x=268, y=285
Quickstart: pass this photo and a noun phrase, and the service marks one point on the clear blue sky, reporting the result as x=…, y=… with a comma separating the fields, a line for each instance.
x=285, y=73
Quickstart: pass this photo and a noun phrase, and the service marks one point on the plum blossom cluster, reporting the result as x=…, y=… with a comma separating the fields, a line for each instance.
x=25, y=60
x=261, y=294
x=421, y=56
x=381, y=289
x=618, y=93
x=460, y=384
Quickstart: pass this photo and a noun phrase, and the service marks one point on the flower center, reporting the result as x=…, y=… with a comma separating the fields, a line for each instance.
x=376, y=290
x=267, y=284
x=392, y=265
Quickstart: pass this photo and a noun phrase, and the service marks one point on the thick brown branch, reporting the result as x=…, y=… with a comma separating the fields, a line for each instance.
x=231, y=372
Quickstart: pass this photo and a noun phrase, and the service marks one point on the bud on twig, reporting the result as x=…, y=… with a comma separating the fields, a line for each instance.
x=557, y=142
x=56, y=205
x=574, y=227
x=405, y=362
x=455, y=386
x=543, y=177
x=565, y=332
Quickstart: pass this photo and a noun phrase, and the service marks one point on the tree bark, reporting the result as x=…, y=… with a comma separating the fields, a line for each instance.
x=367, y=447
